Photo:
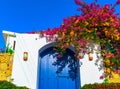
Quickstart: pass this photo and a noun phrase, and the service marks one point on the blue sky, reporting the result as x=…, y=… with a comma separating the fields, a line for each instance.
x=31, y=15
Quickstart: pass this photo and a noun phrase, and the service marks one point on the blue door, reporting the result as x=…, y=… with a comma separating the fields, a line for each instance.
x=55, y=73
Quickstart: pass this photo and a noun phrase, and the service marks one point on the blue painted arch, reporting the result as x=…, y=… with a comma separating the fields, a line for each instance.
x=49, y=66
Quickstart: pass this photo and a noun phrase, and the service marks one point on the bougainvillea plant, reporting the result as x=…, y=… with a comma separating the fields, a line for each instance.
x=96, y=25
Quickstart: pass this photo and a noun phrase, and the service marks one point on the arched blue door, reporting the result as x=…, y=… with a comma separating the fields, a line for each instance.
x=49, y=76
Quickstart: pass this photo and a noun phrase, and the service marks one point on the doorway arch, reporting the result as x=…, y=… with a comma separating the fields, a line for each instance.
x=57, y=73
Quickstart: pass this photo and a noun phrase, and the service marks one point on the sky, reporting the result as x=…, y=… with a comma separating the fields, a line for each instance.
x=34, y=15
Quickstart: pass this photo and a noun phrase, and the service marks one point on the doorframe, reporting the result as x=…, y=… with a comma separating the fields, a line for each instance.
x=43, y=49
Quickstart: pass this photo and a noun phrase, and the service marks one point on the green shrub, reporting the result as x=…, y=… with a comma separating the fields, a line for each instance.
x=9, y=85
x=101, y=86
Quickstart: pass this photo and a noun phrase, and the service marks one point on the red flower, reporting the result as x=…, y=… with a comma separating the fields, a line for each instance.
x=101, y=77
x=79, y=2
x=59, y=56
x=118, y=2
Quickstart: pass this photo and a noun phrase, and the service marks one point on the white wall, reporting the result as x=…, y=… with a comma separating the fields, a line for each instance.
x=25, y=72
x=90, y=73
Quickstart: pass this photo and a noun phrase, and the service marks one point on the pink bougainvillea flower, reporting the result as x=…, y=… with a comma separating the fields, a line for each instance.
x=116, y=71
x=30, y=32
x=118, y=2
x=59, y=56
x=79, y=2
x=84, y=51
x=101, y=77
x=80, y=57
x=95, y=23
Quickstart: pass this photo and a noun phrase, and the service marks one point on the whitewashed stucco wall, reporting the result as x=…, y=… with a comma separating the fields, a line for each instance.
x=89, y=72
x=25, y=72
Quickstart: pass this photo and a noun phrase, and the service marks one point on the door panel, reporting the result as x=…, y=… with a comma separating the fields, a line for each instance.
x=65, y=80
x=47, y=76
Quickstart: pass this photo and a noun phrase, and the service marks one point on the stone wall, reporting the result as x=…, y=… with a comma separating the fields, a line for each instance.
x=6, y=62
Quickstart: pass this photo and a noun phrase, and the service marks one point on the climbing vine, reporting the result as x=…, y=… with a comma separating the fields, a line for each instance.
x=96, y=25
